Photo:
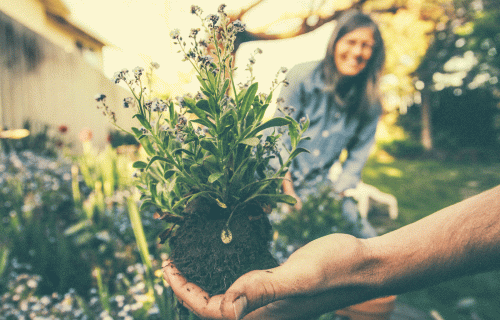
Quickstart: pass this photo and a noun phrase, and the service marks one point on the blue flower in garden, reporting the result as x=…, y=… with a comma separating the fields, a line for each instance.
x=196, y=10
x=127, y=102
x=238, y=26
x=175, y=34
x=138, y=72
x=212, y=18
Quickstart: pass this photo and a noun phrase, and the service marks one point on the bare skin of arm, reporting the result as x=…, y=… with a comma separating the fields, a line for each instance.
x=339, y=270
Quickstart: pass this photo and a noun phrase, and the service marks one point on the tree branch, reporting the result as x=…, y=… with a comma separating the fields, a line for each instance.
x=305, y=27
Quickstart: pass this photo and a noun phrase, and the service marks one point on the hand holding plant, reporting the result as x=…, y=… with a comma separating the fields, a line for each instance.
x=209, y=155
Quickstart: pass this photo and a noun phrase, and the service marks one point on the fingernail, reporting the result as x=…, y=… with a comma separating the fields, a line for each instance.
x=239, y=305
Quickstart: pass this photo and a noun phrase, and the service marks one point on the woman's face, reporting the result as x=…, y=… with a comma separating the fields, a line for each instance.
x=353, y=51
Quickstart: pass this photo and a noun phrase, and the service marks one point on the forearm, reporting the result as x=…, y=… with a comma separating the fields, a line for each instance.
x=338, y=270
x=461, y=239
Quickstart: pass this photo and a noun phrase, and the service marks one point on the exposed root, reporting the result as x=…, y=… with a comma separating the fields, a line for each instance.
x=167, y=233
x=168, y=217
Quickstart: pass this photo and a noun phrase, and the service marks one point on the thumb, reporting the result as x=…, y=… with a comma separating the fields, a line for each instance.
x=250, y=292
x=240, y=306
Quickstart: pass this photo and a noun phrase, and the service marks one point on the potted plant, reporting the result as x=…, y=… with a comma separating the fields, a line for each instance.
x=208, y=167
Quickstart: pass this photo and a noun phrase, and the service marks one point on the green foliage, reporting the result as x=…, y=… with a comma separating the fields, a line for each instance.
x=211, y=145
x=39, y=141
x=118, y=138
x=408, y=148
x=468, y=120
x=71, y=245
x=38, y=188
x=35, y=207
x=320, y=215
x=484, y=39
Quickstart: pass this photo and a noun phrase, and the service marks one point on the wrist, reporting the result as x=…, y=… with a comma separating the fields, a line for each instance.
x=358, y=267
x=355, y=274
x=388, y=263
x=376, y=265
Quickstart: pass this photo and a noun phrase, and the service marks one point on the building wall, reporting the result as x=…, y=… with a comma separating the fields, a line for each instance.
x=43, y=83
x=30, y=13
x=33, y=15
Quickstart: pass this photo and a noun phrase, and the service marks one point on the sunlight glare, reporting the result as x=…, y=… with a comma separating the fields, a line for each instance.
x=138, y=32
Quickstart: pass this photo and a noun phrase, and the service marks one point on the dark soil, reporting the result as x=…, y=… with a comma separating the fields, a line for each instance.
x=200, y=255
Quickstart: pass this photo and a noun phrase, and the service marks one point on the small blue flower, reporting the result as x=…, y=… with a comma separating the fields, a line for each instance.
x=127, y=102
x=138, y=72
x=239, y=26
x=175, y=34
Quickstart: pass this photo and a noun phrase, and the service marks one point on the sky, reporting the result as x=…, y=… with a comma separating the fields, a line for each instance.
x=138, y=31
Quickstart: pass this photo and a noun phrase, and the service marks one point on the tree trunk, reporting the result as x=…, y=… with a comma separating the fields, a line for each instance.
x=426, y=131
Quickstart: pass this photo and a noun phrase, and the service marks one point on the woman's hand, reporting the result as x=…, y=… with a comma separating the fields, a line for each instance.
x=316, y=279
x=288, y=189
x=288, y=208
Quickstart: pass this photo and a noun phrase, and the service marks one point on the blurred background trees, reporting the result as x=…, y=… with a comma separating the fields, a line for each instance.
x=441, y=76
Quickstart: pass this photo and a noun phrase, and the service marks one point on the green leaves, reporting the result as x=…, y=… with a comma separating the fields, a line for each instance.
x=274, y=122
x=215, y=176
x=247, y=100
x=146, y=144
x=278, y=198
x=297, y=151
x=156, y=158
x=143, y=121
x=215, y=144
x=251, y=141
x=193, y=108
x=210, y=146
x=139, y=165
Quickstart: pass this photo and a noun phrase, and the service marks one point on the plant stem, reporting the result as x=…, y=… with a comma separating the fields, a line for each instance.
x=103, y=293
x=142, y=245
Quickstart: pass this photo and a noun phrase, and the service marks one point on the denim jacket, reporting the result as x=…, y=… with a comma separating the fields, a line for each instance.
x=329, y=130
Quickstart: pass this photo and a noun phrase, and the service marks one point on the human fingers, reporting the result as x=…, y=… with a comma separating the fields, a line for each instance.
x=260, y=288
x=298, y=205
x=320, y=266
x=249, y=292
x=192, y=296
x=303, y=307
x=249, y=303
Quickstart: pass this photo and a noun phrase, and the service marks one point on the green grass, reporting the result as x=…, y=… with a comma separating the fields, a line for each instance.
x=426, y=186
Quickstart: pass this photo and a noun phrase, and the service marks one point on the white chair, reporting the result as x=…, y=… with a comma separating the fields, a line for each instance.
x=364, y=192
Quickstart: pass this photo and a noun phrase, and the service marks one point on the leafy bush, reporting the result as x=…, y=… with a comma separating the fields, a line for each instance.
x=45, y=141
x=407, y=148
x=35, y=207
x=131, y=299
x=468, y=120
x=320, y=215
x=118, y=138
x=68, y=248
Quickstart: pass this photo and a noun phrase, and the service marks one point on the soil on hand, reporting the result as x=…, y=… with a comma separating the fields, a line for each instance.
x=200, y=255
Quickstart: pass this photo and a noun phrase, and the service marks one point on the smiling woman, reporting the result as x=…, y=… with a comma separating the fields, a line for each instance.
x=340, y=96
x=353, y=51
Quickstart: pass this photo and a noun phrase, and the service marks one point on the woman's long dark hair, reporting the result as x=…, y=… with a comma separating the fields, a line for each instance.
x=363, y=88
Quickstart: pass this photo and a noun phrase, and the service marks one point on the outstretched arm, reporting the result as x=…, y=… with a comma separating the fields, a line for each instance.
x=339, y=270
